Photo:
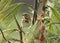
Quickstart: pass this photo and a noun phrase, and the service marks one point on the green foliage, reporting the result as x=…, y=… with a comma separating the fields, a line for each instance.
x=7, y=12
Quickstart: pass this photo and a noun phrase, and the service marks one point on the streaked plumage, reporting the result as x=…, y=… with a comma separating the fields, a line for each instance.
x=26, y=21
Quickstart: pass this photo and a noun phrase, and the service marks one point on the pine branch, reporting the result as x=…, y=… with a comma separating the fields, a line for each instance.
x=53, y=23
x=19, y=29
x=4, y=36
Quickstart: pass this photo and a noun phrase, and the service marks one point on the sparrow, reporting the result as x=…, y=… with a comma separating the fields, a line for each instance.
x=26, y=21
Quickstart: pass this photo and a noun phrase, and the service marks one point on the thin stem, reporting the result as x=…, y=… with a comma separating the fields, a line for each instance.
x=35, y=12
x=4, y=36
x=20, y=30
x=53, y=23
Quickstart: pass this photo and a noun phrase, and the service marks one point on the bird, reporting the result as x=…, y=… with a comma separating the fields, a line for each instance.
x=26, y=20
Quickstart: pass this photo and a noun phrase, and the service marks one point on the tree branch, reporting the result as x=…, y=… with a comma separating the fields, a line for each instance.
x=4, y=36
x=19, y=29
x=35, y=12
x=53, y=23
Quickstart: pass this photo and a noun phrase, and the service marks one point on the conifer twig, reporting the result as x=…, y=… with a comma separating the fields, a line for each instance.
x=53, y=23
x=19, y=29
x=4, y=36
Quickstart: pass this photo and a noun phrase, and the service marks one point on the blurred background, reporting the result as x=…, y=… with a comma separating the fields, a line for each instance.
x=31, y=2
x=25, y=8
x=9, y=23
